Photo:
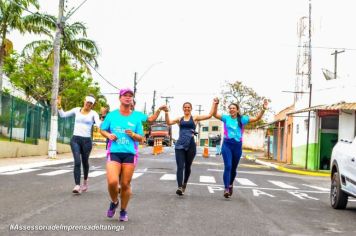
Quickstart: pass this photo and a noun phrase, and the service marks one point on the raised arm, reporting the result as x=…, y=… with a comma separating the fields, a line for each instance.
x=168, y=120
x=205, y=117
x=259, y=116
x=62, y=113
x=155, y=115
x=215, y=112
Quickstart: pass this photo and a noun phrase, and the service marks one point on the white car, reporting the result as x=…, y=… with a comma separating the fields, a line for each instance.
x=343, y=173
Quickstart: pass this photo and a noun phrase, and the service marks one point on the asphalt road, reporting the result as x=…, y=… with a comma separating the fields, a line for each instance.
x=265, y=202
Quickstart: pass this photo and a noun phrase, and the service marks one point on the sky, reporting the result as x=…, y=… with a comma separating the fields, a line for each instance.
x=190, y=49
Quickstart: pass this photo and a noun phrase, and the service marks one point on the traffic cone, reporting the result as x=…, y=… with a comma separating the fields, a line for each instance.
x=154, y=150
x=206, y=149
x=160, y=149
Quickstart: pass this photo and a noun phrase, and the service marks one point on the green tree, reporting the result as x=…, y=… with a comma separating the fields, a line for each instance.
x=34, y=76
x=75, y=46
x=249, y=101
x=12, y=18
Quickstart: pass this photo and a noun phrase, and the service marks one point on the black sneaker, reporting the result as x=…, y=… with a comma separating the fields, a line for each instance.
x=226, y=193
x=180, y=191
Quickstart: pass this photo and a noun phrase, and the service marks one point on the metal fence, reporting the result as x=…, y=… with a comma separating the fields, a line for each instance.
x=26, y=122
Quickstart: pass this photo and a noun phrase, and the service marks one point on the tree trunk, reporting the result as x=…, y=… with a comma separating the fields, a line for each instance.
x=52, y=145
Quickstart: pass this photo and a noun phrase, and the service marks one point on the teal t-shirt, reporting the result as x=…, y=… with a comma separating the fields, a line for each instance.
x=116, y=123
x=141, y=115
x=231, y=127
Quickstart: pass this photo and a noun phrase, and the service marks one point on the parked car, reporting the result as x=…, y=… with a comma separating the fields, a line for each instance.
x=343, y=173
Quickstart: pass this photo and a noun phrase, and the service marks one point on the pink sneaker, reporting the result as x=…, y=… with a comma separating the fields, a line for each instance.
x=84, y=187
x=76, y=189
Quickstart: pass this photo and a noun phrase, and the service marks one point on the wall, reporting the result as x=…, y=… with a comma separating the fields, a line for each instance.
x=254, y=139
x=17, y=149
x=347, y=125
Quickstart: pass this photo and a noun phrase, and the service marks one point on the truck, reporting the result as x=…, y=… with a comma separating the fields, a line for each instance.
x=343, y=173
x=159, y=130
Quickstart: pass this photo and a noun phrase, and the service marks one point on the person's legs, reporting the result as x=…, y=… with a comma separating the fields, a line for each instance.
x=86, y=149
x=126, y=176
x=75, y=146
x=113, y=169
x=180, y=160
x=236, y=155
x=190, y=155
x=227, y=157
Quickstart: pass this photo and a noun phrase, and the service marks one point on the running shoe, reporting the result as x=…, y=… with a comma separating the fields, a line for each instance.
x=180, y=191
x=231, y=188
x=84, y=187
x=76, y=189
x=123, y=216
x=227, y=193
x=184, y=186
x=112, y=209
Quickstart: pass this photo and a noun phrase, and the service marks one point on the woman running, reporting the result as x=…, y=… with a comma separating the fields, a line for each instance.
x=232, y=144
x=124, y=129
x=185, y=147
x=81, y=143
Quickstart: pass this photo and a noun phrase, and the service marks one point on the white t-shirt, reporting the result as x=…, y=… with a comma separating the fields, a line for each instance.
x=83, y=123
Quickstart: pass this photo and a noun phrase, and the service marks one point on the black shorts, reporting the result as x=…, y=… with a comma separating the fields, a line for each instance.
x=122, y=158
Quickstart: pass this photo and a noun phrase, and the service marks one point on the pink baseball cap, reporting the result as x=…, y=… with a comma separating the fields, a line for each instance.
x=125, y=90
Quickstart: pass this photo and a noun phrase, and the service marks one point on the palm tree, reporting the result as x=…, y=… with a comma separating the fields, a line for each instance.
x=74, y=49
x=12, y=18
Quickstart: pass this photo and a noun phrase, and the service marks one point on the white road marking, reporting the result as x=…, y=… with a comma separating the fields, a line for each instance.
x=282, y=185
x=317, y=188
x=96, y=173
x=18, y=172
x=245, y=182
x=302, y=196
x=207, y=179
x=168, y=177
x=257, y=193
x=136, y=175
x=56, y=172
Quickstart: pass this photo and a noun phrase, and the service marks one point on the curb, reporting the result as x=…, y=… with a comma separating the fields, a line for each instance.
x=288, y=170
x=48, y=162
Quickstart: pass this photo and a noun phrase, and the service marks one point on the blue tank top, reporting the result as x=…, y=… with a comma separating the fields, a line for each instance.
x=186, y=133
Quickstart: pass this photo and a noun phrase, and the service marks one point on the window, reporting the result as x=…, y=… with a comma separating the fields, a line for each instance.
x=215, y=128
x=297, y=129
x=205, y=129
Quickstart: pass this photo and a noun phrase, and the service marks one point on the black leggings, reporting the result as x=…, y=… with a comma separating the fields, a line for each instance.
x=184, y=159
x=81, y=147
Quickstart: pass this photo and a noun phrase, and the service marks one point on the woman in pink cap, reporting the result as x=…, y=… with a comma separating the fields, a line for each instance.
x=123, y=128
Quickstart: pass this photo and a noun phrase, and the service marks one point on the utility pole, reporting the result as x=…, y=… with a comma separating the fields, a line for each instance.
x=135, y=84
x=52, y=145
x=199, y=110
x=154, y=102
x=335, y=61
x=166, y=98
x=310, y=85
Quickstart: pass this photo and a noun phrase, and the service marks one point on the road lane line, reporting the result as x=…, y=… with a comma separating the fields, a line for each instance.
x=168, y=177
x=18, y=172
x=207, y=179
x=282, y=185
x=245, y=182
x=317, y=188
x=96, y=173
x=56, y=172
x=136, y=175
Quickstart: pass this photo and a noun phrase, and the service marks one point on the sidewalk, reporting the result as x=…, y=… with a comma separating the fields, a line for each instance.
x=261, y=159
x=22, y=163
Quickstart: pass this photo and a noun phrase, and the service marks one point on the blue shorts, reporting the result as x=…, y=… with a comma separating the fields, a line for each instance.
x=122, y=158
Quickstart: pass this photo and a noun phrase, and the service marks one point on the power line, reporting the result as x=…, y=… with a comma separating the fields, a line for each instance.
x=101, y=76
x=70, y=13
